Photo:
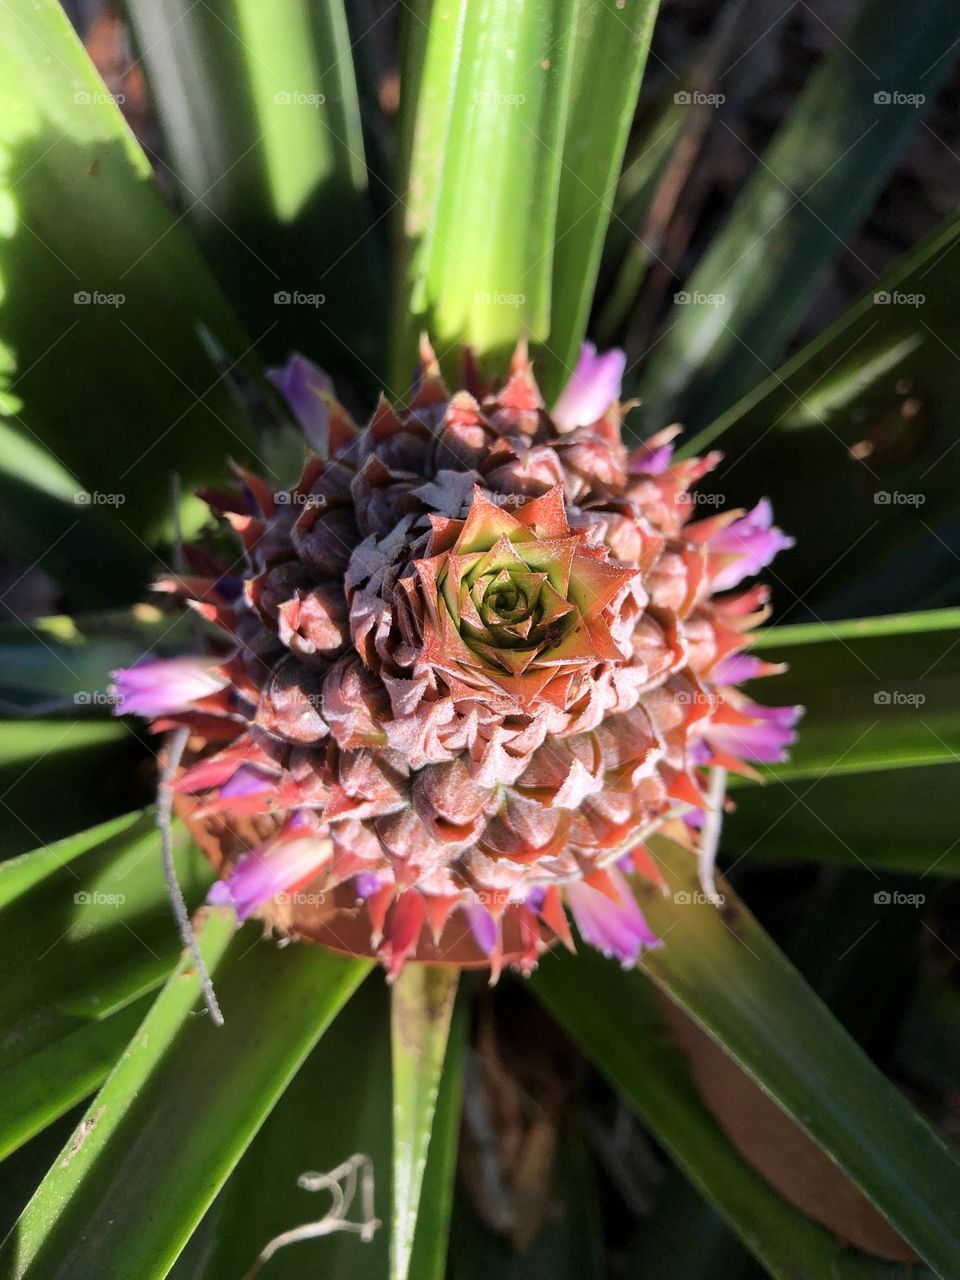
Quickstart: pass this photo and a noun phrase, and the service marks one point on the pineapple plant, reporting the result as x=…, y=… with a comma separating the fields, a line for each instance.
x=393, y=569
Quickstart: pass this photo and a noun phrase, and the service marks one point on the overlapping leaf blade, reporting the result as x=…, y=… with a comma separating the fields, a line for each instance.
x=635, y=1050
x=115, y=317
x=853, y=440
x=724, y=971
x=421, y=1009
x=86, y=934
x=259, y=110
x=879, y=693
x=179, y=1109
x=890, y=820
x=485, y=106
x=60, y=663
x=56, y=776
x=807, y=195
x=610, y=51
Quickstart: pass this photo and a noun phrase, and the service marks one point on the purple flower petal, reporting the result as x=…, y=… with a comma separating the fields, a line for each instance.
x=304, y=385
x=593, y=386
x=735, y=668
x=753, y=539
x=366, y=884
x=765, y=742
x=483, y=927
x=247, y=781
x=160, y=686
x=267, y=871
x=616, y=929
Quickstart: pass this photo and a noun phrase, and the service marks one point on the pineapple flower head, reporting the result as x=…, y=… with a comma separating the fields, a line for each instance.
x=478, y=653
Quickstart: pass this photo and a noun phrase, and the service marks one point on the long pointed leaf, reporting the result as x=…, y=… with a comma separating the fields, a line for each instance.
x=853, y=440
x=179, y=1110
x=722, y=968
x=74, y=761
x=809, y=192
x=115, y=317
x=259, y=109
x=86, y=932
x=877, y=697
x=610, y=52
x=634, y=1048
x=892, y=820
x=485, y=98
x=421, y=1008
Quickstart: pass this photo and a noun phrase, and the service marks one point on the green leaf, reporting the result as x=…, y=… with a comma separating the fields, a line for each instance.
x=17, y=875
x=428, y=1260
x=880, y=694
x=81, y=942
x=853, y=441
x=59, y=775
x=892, y=820
x=179, y=1109
x=421, y=1008
x=59, y=1075
x=725, y=972
x=258, y=107
x=337, y=1105
x=636, y=1051
x=115, y=316
x=486, y=92
x=808, y=194
x=610, y=51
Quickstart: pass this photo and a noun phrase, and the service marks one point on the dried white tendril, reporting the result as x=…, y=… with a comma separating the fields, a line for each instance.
x=178, y=742
x=342, y=1183
x=710, y=833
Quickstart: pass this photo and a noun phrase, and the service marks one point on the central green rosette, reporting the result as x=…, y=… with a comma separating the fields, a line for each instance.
x=514, y=603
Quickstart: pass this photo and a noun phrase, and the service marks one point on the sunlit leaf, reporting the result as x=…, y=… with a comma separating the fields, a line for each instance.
x=610, y=51
x=485, y=100
x=104, y=300
x=421, y=1008
x=179, y=1109
x=259, y=109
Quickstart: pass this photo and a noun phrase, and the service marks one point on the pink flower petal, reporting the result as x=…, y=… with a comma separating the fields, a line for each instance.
x=303, y=385
x=753, y=539
x=593, y=386
x=160, y=686
x=270, y=869
x=616, y=929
